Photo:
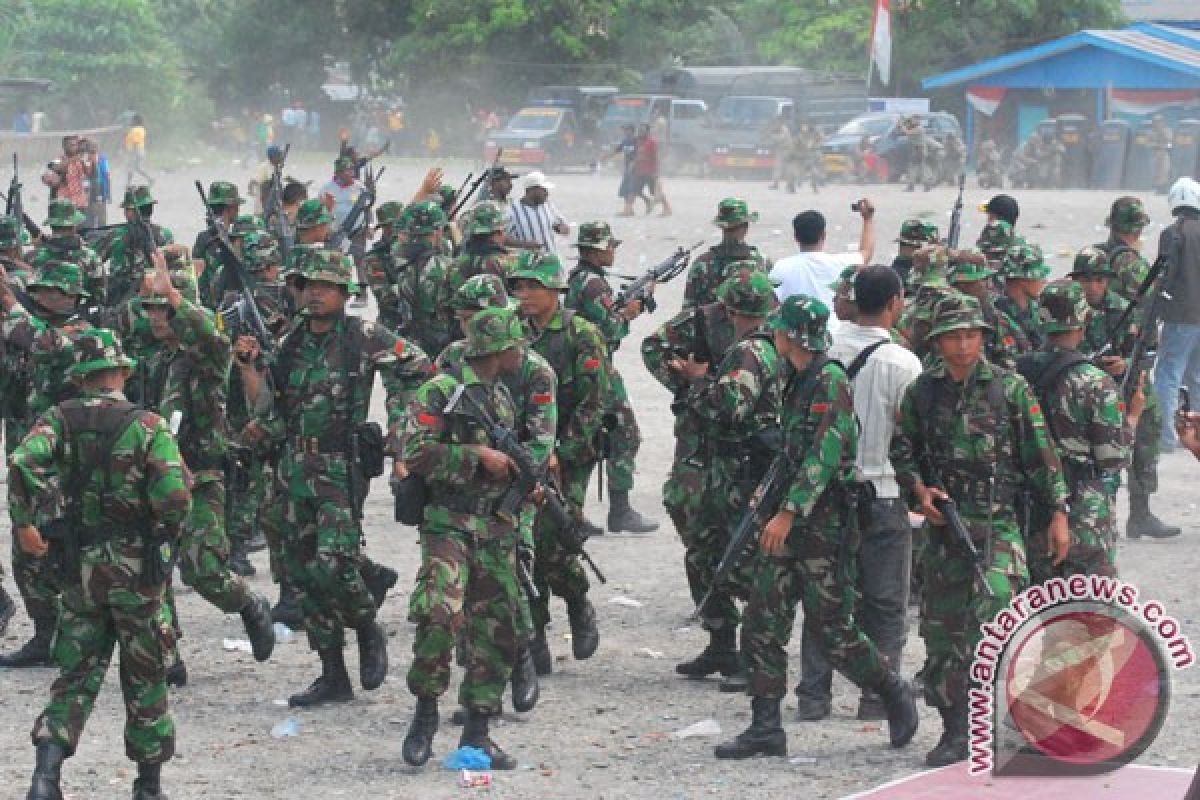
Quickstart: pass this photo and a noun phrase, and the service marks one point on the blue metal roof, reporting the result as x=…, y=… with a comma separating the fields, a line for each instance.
x=1085, y=60
x=1172, y=33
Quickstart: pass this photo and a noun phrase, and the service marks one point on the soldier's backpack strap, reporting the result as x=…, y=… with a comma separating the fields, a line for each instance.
x=1044, y=372
x=108, y=423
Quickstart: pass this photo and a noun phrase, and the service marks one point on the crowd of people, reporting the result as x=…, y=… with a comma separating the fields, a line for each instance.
x=165, y=404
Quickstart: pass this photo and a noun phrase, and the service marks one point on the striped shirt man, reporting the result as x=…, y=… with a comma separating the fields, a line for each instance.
x=535, y=223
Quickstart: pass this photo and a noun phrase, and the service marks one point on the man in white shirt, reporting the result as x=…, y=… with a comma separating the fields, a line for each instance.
x=812, y=271
x=885, y=555
x=533, y=220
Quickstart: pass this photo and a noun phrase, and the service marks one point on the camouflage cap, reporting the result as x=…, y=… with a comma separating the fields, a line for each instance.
x=243, y=225
x=446, y=194
x=343, y=162
x=479, y=292
x=97, y=349
x=1127, y=215
x=329, y=266
x=65, y=276
x=388, y=213
x=137, y=197
x=423, y=219
x=223, y=193
x=63, y=214
x=916, y=232
x=493, y=330
x=967, y=266
x=10, y=232
x=995, y=238
x=595, y=235
x=845, y=282
x=733, y=211
x=1025, y=261
x=1063, y=307
x=1091, y=261
x=747, y=291
x=931, y=264
x=486, y=219
x=955, y=312
x=312, y=212
x=805, y=320
x=545, y=268
x=260, y=250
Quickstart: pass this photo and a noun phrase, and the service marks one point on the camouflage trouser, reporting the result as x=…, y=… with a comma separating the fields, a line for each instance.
x=818, y=572
x=272, y=519
x=556, y=570
x=247, y=502
x=918, y=168
x=723, y=500
x=36, y=583
x=683, y=491
x=625, y=439
x=204, y=550
x=1147, y=440
x=1093, y=525
x=471, y=581
x=321, y=548
x=953, y=607
x=111, y=607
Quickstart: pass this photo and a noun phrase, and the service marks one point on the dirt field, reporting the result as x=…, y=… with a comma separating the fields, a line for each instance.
x=603, y=727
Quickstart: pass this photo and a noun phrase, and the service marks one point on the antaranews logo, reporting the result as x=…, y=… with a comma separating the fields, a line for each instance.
x=1073, y=677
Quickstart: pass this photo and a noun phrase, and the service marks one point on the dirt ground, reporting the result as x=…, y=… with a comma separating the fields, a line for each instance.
x=603, y=727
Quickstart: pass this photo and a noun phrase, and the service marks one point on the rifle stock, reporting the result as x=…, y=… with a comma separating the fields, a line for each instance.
x=955, y=232
x=663, y=272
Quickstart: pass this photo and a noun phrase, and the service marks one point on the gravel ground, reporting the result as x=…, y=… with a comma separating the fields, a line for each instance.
x=603, y=727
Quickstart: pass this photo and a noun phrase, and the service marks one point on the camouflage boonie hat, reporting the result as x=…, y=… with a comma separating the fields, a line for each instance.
x=967, y=266
x=493, y=330
x=312, y=212
x=1127, y=215
x=96, y=349
x=486, y=219
x=137, y=197
x=479, y=292
x=65, y=276
x=747, y=290
x=1025, y=261
x=243, y=225
x=955, y=312
x=223, y=193
x=1091, y=261
x=916, y=232
x=10, y=233
x=1063, y=307
x=424, y=218
x=343, y=162
x=545, y=268
x=388, y=213
x=995, y=238
x=183, y=278
x=845, y=282
x=64, y=214
x=931, y=264
x=329, y=266
x=260, y=250
x=595, y=235
x=733, y=211
x=446, y=194
x=805, y=320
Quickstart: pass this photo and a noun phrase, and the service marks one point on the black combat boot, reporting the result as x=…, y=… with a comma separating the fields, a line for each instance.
x=764, y=737
x=870, y=707
x=475, y=734
x=585, y=636
x=35, y=652
x=177, y=676
x=539, y=650
x=287, y=611
x=331, y=686
x=239, y=559
x=737, y=683
x=256, y=617
x=590, y=528
x=418, y=744
x=7, y=609
x=719, y=656
x=47, y=773
x=623, y=517
x=525, y=689
x=148, y=784
x=379, y=580
x=372, y=655
x=1142, y=521
x=952, y=747
x=901, y=709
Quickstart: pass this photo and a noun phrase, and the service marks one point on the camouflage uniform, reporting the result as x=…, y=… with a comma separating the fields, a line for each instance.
x=1127, y=216
x=1024, y=262
x=994, y=242
x=919, y=170
x=422, y=290
x=804, y=158
x=930, y=267
x=1084, y=416
x=126, y=261
x=913, y=233
x=1003, y=339
x=480, y=255
x=70, y=248
x=210, y=282
x=990, y=425
x=381, y=267
x=712, y=267
x=134, y=508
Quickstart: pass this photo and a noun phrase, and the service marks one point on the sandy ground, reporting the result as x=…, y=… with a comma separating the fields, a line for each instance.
x=602, y=729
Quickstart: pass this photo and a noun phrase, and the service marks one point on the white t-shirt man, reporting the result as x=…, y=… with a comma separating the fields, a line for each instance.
x=812, y=273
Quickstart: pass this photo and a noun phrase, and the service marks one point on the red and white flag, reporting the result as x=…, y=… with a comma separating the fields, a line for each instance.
x=881, y=39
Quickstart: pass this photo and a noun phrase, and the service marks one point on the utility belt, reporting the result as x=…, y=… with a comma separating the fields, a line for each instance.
x=328, y=443
x=66, y=541
x=463, y=503
x=981, y=491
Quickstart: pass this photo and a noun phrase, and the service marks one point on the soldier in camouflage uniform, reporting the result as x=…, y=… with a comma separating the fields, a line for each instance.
x=804, y=158
x=591, y=296
x=736, y=402
x=995, y=240
x=931, y=266
x=971, y=431
x=712, y=267
x=422, y=290
x=126, y=259
x=1084, y=415
x=1024, y=272
x=919, y=168
x=322, y=379
x=381, y=267
x=468, y=545
x=806, y=550
x=66, y=245
x=484, y=251
x=1127, y=218
x=1096, y=275
x=128, y=497
x=970, y=274
x=575, y=349
x=914, y=234
x=224, y=202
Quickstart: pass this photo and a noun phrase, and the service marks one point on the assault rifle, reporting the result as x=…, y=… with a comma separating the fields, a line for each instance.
x=273, y=212
x=15, y=207
x=642, y=287
x=356, y=219
x=463, y=199
x=954, y=521
x=955, y=231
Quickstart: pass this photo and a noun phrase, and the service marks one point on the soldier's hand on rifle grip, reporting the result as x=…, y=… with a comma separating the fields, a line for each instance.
x=31, y=542
x=633, y=309
x=247, y=350
x=1059, y=536
x=775, y=534
x=496, y=464
x=690, y=369
x=927, y=496
x=1113, y=365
